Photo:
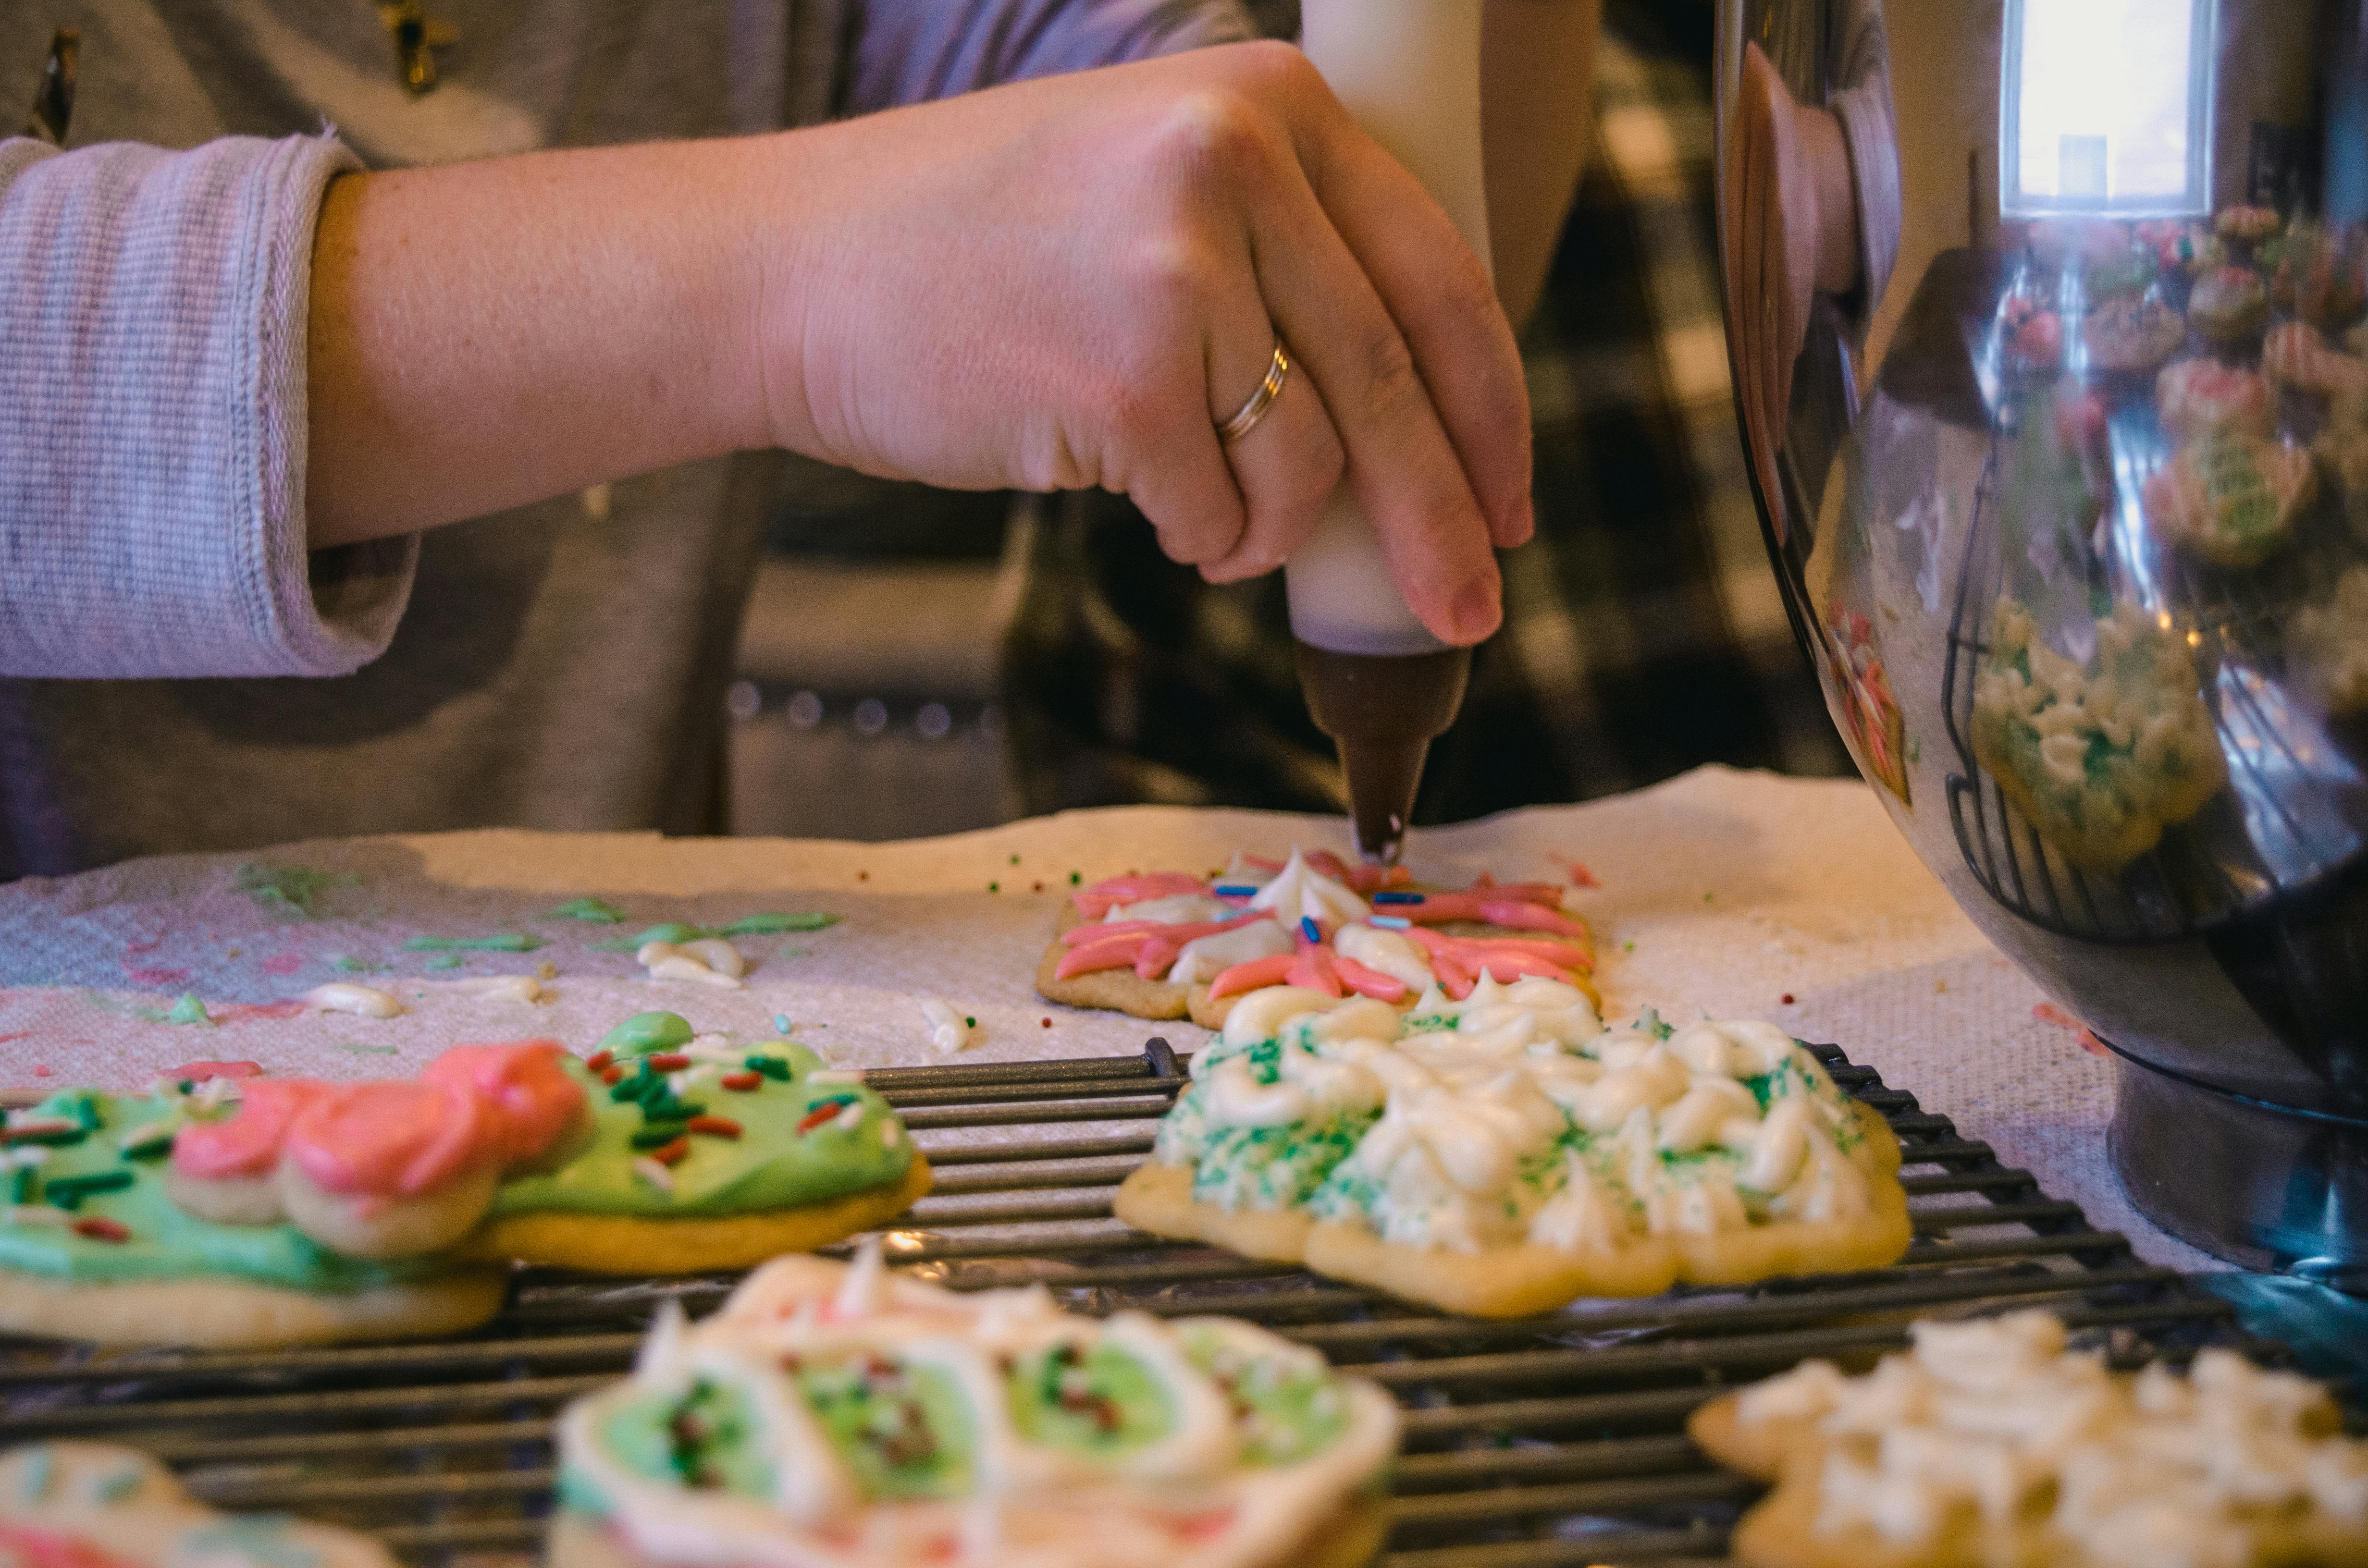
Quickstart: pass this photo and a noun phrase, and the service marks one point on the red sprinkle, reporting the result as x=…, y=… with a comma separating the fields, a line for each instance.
x=600, y=1060
x=99, y=1229
x=671, y=1153
x=40, y=1069
x=1048, y=1023
x=819, y=1115
x=741, y=1082
x=1786, y=999
x=613, y=1074
x=667, y=1061
x=715, y=1126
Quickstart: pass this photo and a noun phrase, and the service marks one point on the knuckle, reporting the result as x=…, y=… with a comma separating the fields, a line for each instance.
x=1220, y=136
x=1393, y=392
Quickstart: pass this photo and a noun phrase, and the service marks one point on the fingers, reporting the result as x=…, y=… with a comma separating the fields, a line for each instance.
x=1288, y=464
x=1445, y=308
x=1409, y=479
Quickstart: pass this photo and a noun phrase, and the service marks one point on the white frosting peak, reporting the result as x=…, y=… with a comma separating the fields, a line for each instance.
x=1299, y=891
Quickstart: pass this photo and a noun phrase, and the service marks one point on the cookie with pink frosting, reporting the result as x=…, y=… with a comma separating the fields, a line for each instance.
x=1169, y=945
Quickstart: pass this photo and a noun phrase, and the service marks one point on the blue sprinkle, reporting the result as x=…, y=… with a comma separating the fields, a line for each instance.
x=1397, y=897
x=1230, y=890
x=1309, y=930
x=1389, y=922
x=781, y=1023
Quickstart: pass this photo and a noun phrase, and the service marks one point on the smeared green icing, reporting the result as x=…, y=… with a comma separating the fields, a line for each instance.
x=500, y=942
x=645, y=1032
x=705, y=1439
x=166, y=1242
x=904, y=1429
x=446, y=960
x=1285, y=1409
x=1103, y=1403
x=675, y=932
x=597, y=911
x=288, y=892
x=769, y=1165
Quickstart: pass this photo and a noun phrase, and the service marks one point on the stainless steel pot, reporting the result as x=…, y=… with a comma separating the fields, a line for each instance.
x=2071, y=511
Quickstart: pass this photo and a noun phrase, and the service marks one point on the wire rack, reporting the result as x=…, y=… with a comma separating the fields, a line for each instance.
x=1554, y=1440
x=2293, y=811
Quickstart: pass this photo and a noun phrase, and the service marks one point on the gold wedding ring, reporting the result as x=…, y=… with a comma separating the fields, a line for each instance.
x=1278, y=371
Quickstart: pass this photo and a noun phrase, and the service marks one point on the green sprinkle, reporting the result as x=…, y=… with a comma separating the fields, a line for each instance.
x=598, y=912
x=501, y=942
x=671, y=932
x=288, y=892
x=771, y=923
x=645, y=1033
x=64, y=1138
x=772, y=1067
x=1015, y=859
x=1706, y=897
x=84, y=1110
x=24, y=1184
x=67, y=1192
x=658, y=1134
x=346, y=964
x=155, y=1148
x=1627, y=947
x=446, y=960
x=994, y=887
x=187, y=1010
x=359, y=1048
x=970, y=1023
x=1074, y=878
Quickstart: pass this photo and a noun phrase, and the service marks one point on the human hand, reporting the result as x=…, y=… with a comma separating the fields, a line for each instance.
x=1067, y=282
x=1793, y=223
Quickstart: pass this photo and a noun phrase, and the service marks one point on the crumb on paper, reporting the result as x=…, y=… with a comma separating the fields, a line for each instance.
x=948, y=1031
x=361, y=1001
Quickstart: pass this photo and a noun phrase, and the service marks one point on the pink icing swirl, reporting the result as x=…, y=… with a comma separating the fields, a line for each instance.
x=534, y=1100
x=246, y=1143
x=393, y=1139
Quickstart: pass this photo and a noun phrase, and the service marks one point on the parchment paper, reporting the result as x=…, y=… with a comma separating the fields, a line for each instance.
x=1720, y=891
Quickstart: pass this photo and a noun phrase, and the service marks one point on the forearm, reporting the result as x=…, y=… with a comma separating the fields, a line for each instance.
x=1537, y=68
x=490, y=333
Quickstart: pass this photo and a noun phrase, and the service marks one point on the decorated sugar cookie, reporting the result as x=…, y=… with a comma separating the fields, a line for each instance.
x=106, y=1238
x=839, y=1417
x=95, y=1506
x=1505, y=1153
x=703, y=1155
x=1990, y=1442
x=1170, y=945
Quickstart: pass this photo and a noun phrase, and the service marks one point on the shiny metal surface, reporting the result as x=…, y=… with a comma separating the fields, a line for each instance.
x=2071, y=512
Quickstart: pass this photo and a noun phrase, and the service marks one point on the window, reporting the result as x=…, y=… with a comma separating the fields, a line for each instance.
x=2106, y=107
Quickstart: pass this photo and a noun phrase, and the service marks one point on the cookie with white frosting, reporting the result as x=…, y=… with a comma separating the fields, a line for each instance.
x=66, y=1505
x=1506, y=1154
x=1989, y=1441
x=1171, y=945
x=833, y=1416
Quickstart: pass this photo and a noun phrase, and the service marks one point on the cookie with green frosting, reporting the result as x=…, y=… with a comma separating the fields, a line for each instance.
x=836, y=1413
x=73, y=1505
x=706, y=1156
x=94, y=1248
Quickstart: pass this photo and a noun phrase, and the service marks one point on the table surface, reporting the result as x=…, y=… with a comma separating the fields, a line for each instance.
x=1734, y=893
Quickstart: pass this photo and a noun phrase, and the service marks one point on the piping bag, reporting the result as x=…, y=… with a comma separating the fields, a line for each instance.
x=1375, y=681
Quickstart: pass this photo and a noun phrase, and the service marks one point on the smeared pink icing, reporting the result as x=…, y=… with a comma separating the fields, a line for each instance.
x=1253, y=975
x=1367, y=982
x=247, y=1143
x=393, y=1139
x=54, y=1548
x=533, y=1099
x=1311, y=969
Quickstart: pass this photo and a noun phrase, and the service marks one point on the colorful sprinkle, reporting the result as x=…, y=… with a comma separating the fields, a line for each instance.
x=598, y=1061
x=828, y=1110
x=1309, y=930
x=1389, y=922
x=1387, y=896
x=1236, y=889
x=781, y=1023
x=672, y=1154
x=741, y=1082
x=99, y=1229
x=656, y=1175
x=715, y=1126
x=658, y=1134
x=666, y=1062
x=772, y=1067
x=598, y=912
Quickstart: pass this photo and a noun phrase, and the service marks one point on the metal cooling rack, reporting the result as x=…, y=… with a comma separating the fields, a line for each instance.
x=1547, y=1441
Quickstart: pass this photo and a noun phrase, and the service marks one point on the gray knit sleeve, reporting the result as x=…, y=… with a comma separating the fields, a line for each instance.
x=907, y=51
x=153, y=321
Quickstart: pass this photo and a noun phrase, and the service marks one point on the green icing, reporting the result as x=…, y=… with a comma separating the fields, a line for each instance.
x=1284, y=1408
x=675, y=932
x=598, y=912
x=1275, y=1167
x=499, y=942
x=188, y=1010
x=905, y=1430
x=166, y=1242
x=704, y=1438
x=1102, y=1402
x=769, y=1165
x=645, y=1032
x=288, y=892
x=446, y=960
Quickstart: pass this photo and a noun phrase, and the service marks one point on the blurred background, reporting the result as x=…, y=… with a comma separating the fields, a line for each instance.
x=918, y=662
